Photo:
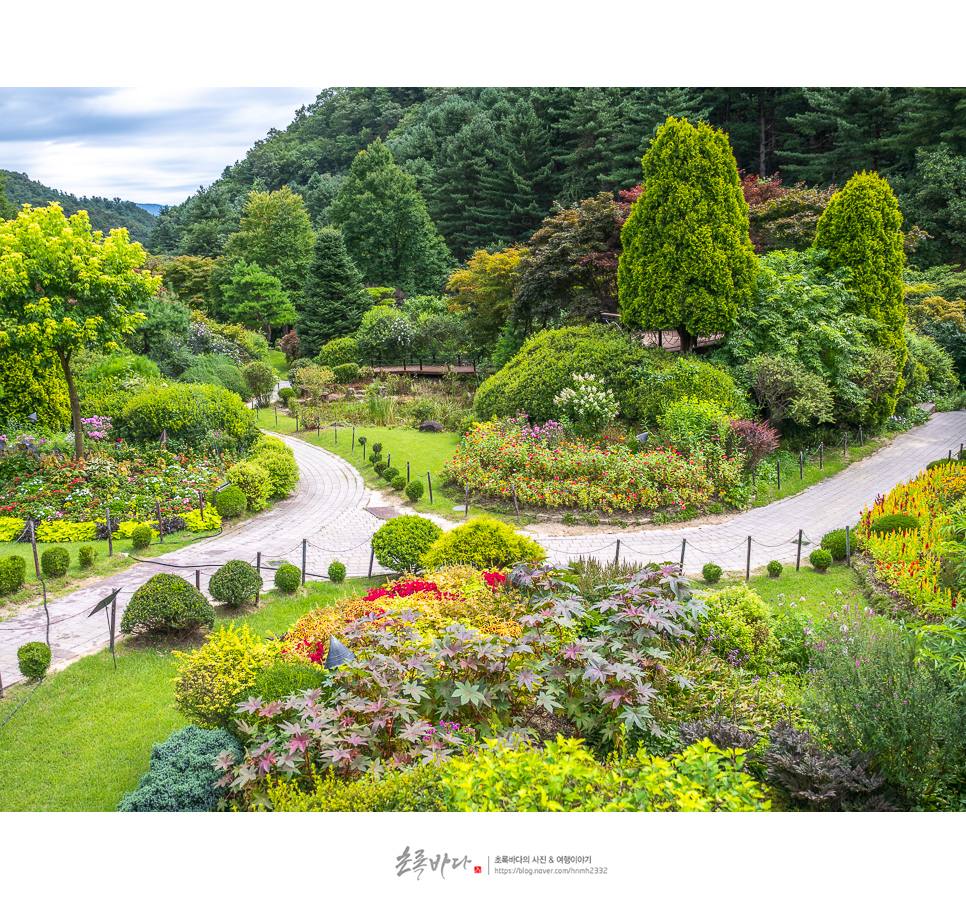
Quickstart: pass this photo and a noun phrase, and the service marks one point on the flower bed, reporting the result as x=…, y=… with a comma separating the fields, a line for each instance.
x=496, y=458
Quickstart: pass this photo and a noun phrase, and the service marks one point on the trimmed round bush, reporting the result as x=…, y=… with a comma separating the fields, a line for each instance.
x=13, y=574
x=141, y=536
x=166, y=603
x=336, y=572
x=945, y=461
x=254, y=480
x=282, y=469
x=400, y=543
x=774, y=568
x=820, y=559
x=284, y=394
x=398, y=483
x=711, y=573
x=181, y=774
x=379, y=466
x=414, y=490
x=231, y=502
x=834, y=543
x=87, y=556
x=54, y=562
x=389, y=473
x=33, y=659
x=893, y=523
x=484, y=543
x=288, y=578
x=739, y=625
x=346, y=373
x=234, y=583
x=376, y=447
x=338, y=352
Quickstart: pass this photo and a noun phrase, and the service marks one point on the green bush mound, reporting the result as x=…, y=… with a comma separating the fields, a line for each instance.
x=141, y=536
x=774, y=568
x=33, y=659
x=283, y=679
x=389, y=473
x=285, y=394
x=711, y=573
x=820, y=559
x=234, y=583
x=413, y=789
x=892, y=523
x=484, y=543
x=87, y=556
x=400, y=543
x=346, y=373
x=13, y=574
x=739, y=625
x=281, y=468
x=166, y=602
x=182, y=775
x=398, y=483
x=945, y=461
x=414, y=490
x=188, y=412
x=231, y=502
x=834, y=543
x=288, y=577
x=643, y=379
x=254, y=481
x=54, y=562
x=336, y=572
x=338, y=352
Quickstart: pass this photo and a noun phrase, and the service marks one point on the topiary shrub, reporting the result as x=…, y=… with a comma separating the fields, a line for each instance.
x=141, y=536
x=834, y=543
x=33, y=659
x=892, y=523
x=87, y=556
x=346, y=373
x=338, y=352
x=400, y=543
x=254, y=480
x=182, y=775
x=379, y=466
x=711, y=573
x=484, y=543
x=213, y=678
x=820, y=559
x=54, y=562
x=738, y=626
x=166, y=602
x=414, y=490
x=389, y=473
x=774, y=568
x=231, y=502
x=398, y=483
x=234, y=583
x=284, y=394
x=281, y=468
x=336, y=572
x=284, y=678
x=288, y=578
x=13, y=573
x=376, y=447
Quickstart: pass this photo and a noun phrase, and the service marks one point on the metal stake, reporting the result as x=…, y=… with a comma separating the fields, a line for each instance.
x=466, y=503
x=798, y=558
x=160, y=522
x=198, y=579
x=684, y=546
x=372, y=556
x=617, y=554
x=258, y=564
x=353, y=439
x=848, y=548
x=801, y=465
x=110, y=539
x=33, y=543
x=429, y=479
x=201, y=503
x=748, y=562
x=303, y=561
x=407, y=472
x=821, y=455
x=778, y=466
x=861, y=438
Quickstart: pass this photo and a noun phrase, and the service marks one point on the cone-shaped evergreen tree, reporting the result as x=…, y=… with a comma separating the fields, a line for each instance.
x=333, y=300
x=687, y=260
x=861, y=229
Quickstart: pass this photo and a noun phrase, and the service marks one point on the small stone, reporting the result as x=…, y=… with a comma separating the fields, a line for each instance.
x=382, y=391
x=430, y=425
x=334, y=397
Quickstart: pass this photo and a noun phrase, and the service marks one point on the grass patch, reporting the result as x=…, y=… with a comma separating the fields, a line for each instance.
x=277, y=360
x=84, y=738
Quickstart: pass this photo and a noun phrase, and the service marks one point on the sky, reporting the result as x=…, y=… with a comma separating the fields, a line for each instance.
x=142, y=144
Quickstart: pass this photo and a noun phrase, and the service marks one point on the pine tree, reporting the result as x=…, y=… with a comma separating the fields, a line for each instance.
x=861, y=230
x=333, y=300
x=687, y=260
x=387, y=230
x=256, y=299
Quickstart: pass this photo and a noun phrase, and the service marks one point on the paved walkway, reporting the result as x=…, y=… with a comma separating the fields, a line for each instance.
x=328, y=511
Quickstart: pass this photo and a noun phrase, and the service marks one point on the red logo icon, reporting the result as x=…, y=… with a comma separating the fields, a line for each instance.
x=477, y=870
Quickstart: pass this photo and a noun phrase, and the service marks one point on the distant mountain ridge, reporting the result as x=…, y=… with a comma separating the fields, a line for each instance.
x=154, y=209
x=106, y=214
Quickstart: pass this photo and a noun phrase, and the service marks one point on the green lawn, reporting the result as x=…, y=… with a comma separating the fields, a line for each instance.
x=277, y=360
x=84, y=738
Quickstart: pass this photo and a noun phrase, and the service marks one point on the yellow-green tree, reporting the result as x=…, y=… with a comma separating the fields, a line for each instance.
x=687, y=260
x=861, y=230
x=485, y=289
x=64, y=287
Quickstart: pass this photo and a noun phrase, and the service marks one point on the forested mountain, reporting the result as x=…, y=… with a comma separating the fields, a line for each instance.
x=491, y=162
x=106, y=214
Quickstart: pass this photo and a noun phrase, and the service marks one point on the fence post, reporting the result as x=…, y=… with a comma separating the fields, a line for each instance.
x=684, y=546
x=617, y=554
x=950, y=454
x=754, y=481
x=821, y=455
x=110, y=539
x=845, y=445
x=276, y=416
x=801, y=465
x=848, y=548
x=353, y=439
x=160, y=522
x=778, y=466
x=201, y=503
x=372, y=555
x=861, y=439
x=466, y=503
x=961, y=451
x=198, y=579
x=798, y=557
x=336, y=432
x=407, y=472
x=303, y=561
x=388, y=461
x=258, y=564
x=33, y=543
x=429, y=479
x=748, y=562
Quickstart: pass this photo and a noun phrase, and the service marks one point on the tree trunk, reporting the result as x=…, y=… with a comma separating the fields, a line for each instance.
x=75, y=412
x=687, y=340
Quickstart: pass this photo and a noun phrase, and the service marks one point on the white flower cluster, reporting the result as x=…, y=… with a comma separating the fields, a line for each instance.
x=587, y=405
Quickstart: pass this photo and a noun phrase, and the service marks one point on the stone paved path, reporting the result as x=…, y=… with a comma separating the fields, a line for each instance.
x=328, y=511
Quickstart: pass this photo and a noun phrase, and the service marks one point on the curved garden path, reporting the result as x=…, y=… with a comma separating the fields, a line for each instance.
x=329, y=512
